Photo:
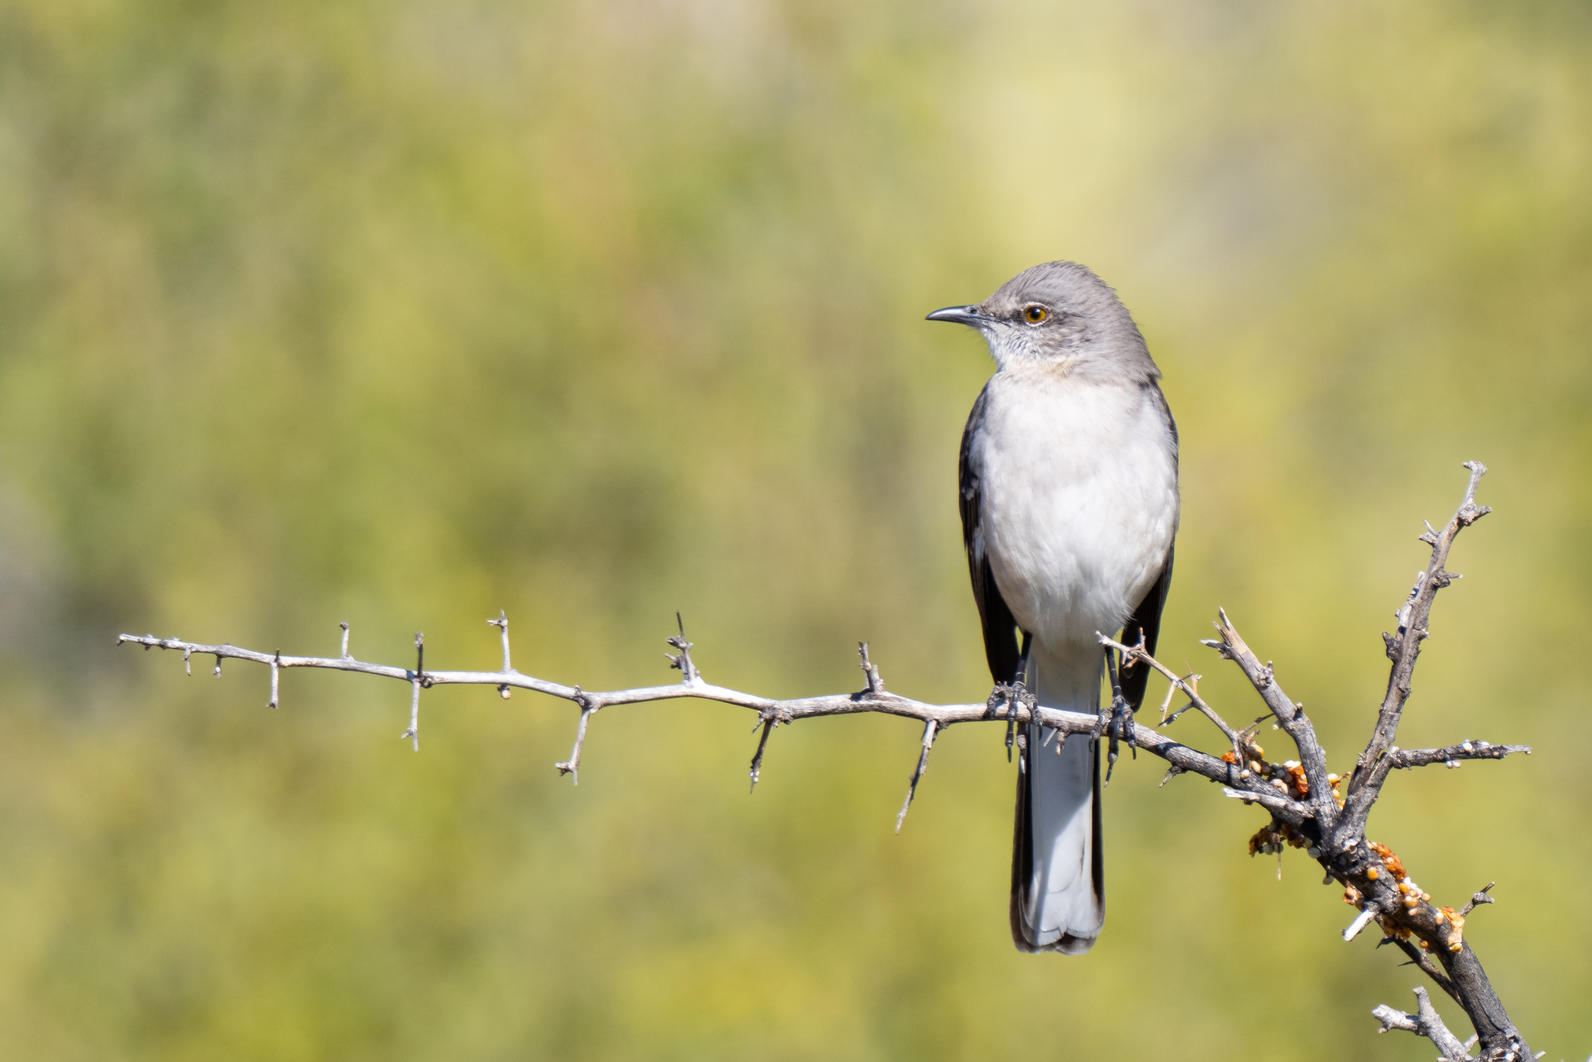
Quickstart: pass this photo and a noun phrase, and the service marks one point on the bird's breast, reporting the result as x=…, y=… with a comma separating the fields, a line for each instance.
x=1079, y=500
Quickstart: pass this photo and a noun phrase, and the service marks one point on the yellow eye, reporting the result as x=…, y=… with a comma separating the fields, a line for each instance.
x=1035, y=314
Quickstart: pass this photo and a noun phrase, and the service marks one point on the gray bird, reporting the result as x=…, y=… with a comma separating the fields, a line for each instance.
x=1069, y=507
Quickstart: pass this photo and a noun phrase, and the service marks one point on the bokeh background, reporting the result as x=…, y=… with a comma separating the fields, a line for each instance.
x=403, y=313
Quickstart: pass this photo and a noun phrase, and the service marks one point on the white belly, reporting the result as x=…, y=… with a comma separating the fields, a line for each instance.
x=1079, y=502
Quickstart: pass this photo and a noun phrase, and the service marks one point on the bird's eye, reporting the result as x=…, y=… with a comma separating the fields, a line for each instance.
x=1035, y=314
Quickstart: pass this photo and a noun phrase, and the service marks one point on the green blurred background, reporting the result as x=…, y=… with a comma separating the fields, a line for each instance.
x=402, y=313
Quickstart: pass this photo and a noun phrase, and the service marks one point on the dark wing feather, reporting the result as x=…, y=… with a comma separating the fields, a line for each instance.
x=1145, y=623
x=1000, y=629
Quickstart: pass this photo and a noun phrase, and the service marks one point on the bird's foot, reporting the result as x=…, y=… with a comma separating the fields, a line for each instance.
x=1116, y=723
x=1013, y=695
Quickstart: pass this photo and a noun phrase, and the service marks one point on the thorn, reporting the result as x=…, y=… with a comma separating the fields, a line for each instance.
x=571, y=766
x=1361, y=920
x=1478, y=898
x=502, y=624
x=929, y=730
x=875, y=684
x=413, y=733
x=769, y=722
x=681, y=661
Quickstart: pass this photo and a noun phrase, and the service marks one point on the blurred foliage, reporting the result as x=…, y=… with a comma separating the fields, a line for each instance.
x=402, y=313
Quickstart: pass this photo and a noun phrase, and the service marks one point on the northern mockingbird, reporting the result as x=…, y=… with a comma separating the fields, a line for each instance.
x=1069, y=506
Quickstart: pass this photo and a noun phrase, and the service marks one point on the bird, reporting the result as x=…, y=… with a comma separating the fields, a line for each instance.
x=1069, y=503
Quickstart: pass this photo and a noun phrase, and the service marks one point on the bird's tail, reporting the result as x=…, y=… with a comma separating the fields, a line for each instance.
x=1058, y=897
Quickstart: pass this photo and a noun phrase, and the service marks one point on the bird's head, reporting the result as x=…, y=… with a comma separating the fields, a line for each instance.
x=1058, y=313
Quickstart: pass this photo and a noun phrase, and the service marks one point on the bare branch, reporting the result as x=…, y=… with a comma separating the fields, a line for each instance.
x=1188, y=685
x=1424, y=1022
x=1404, y=647
x=1308, y=807
x=1288, y=713
x=879, y=700
x=1451, y=755
x=1422, y=960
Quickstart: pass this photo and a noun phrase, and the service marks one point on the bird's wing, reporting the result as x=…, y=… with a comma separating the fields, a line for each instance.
x=1000, y=629
x=1145, y=623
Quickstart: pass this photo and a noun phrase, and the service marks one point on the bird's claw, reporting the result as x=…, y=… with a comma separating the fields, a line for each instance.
x=1116, y=723
x=1013, y=695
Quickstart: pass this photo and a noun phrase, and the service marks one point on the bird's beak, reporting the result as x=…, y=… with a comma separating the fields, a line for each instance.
x=967, y=315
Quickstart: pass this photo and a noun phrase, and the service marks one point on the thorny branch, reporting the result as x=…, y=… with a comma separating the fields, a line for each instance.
x=1424, y=1022
x=1309, y=807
